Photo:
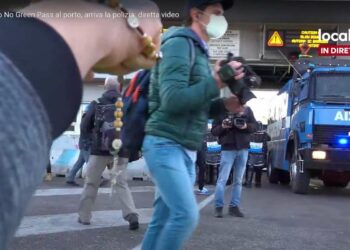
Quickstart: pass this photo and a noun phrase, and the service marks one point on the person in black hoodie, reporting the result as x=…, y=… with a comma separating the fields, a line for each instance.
x=98, y=161
x=233, y=128
x=202, y=165
x=84, y=147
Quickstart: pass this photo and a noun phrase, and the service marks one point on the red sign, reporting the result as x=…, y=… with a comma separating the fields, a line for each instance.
x=334, y=50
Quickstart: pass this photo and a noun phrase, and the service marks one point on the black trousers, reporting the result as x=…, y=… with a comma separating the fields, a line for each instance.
x=250, y=171
x=201, y=169
x=48, y=168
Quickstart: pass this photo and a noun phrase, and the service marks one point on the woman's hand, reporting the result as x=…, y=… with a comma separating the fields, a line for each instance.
x=107, y=44
x=134, y=58
x=140, y=61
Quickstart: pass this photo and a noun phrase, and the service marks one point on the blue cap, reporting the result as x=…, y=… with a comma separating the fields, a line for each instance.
x=226, y=4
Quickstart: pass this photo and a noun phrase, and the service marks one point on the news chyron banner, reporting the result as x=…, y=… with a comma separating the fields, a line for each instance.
x=326, y=42
x=339, y=44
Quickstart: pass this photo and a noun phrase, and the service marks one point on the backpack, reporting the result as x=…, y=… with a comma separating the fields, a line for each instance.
x=135, y=108
x=135, y=111
x=104, y=130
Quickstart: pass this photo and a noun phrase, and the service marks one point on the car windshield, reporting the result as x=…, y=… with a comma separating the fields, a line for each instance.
x=334, y=86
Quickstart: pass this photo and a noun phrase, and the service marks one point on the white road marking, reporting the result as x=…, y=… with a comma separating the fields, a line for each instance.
x=59, y=223
x=206, y=201
x=78, y=191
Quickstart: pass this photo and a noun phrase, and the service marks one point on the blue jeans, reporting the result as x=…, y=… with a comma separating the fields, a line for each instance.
x=83, y=157
x=236, y=159
x=176, y=212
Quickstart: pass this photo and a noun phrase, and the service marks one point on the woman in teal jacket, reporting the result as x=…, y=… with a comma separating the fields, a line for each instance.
x=182, y=91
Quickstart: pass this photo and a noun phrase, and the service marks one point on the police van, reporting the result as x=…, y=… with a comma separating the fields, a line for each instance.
x=309, y=125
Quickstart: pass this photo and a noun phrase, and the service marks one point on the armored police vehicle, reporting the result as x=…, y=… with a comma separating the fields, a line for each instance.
x=309, y=125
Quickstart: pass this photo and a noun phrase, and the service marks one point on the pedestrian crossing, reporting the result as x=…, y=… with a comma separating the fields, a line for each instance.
x=66, y=222
x=78, y=191
x=44, y=225
x=59, y=223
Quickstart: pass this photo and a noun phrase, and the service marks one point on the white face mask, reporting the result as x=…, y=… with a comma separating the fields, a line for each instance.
x=216, y=27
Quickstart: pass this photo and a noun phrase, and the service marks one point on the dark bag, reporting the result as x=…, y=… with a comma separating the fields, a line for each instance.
x=135, y=109
x=104, y=131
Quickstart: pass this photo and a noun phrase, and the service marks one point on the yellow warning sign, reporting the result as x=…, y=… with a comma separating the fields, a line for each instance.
x=275, y=40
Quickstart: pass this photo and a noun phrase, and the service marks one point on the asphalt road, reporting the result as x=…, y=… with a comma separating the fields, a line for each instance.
x=275, y=219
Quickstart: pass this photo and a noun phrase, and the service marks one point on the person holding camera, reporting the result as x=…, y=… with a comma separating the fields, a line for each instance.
x=181, y=94
x=233, y=128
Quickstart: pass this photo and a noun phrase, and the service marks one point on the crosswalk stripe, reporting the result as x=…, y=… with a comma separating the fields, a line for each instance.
x=59, y=223
x=78, y=191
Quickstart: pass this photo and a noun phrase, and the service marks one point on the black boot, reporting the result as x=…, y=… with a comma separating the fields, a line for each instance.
x=235, y=211
x=258, y=173
x=133, y=220
x=219, y=212
x=84, y=223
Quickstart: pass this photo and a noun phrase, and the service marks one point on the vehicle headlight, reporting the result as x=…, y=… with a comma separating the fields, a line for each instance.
x=319, y=155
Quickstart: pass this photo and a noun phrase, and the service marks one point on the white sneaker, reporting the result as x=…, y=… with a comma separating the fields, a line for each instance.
x=48, y=177
x=204, y=191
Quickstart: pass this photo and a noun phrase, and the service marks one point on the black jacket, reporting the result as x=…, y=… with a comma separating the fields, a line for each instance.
x=234, y=138
x=85, y=139
x=88, y=121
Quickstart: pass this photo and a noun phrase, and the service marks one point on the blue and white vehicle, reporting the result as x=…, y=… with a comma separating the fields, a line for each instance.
x=309, y=125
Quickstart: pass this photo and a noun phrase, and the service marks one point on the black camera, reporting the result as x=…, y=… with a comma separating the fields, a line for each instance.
x=240, y=88
x=236, y=120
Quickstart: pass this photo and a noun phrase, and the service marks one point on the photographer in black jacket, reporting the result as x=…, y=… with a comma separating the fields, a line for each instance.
x=233, y=127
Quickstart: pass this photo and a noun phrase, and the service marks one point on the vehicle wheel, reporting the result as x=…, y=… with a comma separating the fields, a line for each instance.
x=300, y=181
x=284, y=177
x=335, y=184
x=342, y=184
x=272, y=173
